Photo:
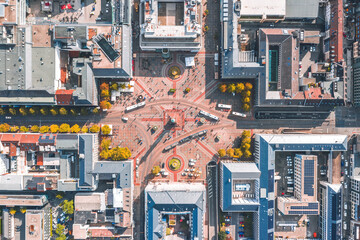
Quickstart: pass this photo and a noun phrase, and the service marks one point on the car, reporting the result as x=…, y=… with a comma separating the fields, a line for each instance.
x=227, y=231
x=346, y=172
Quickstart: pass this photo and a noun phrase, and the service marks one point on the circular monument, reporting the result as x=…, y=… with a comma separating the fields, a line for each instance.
x=174, y=164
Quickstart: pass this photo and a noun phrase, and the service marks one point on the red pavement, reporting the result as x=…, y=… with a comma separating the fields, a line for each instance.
x=134, y=162
x=151, y=119
x=146, y=91
x=206, y=148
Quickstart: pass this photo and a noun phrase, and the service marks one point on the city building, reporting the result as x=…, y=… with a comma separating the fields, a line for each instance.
x=173, y=206
x=9, y=200
x=37, y=224
x=330, y=210
x=356, y=82
x=170, y=25
x=8, y=224
x=271, y=58
x=305, y=188
x=60, y=64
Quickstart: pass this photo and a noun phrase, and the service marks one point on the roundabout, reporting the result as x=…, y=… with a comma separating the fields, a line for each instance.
x=174, y=164
x=174, y=72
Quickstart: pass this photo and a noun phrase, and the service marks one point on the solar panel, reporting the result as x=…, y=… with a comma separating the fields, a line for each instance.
x=309, y=177
x=310, y=206
x=107, y=49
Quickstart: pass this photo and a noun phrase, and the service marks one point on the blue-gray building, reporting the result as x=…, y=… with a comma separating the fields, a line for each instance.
x=179, y=199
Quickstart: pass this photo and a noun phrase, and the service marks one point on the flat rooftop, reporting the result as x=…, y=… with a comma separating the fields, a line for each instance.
x=34, y=224
x=264, y=7
x=90, y=202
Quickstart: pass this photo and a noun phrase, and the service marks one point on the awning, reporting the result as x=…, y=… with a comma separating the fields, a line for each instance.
x=189, y=61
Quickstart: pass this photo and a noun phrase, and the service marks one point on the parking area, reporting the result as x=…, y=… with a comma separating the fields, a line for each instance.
x=239, y=225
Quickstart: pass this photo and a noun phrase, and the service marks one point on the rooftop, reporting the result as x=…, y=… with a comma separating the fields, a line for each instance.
x=262, y=8
x=90, y=202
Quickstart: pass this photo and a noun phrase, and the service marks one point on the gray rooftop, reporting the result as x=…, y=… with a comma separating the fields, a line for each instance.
x=67, y=142
x=302, y=9
x=243, y=170
x=121, y=170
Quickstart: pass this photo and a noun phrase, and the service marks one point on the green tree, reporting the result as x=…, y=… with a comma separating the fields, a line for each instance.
x=222, y=235
x=12, y=211
x=155, y=170
x=94, y=128
x=23, y=111
x=246, y=107
x=44, y=111
x=68, y=206
x=222, y=88
x=247, y=154
x=239, y=87
x=2, y=111
x=75, y=129
x=231, y=88
x=60, y=229
x=35, y=129
x=33, y=110
x=14, y=129
x=24, y=129
x=114, y=86
x=105, y=144
x=105, y=154
x=106, y=130
x=120, y=153
x=54, y=111
x=230, y=152
x=73, y=112
x=63, y=111
x=64, y=128
x=44, y=129
x=95, y=111
x=84, y=129
x=12, y=111
x=4, y=127
x=122, y=86
x=61, y=237
x=84, y=111
x=54, y=128
x=222, y=152
x=238, y=153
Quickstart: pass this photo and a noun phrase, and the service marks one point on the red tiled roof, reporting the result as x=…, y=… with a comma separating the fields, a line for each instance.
x=313, y=93
x=337, y=28
x=12, y=150
x=29, y=138
x=101, y=233
x=10, y=137
x=64, y=97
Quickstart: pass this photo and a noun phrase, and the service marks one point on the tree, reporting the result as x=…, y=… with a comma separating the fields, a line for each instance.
x=247, y=154
x=246, y=140
x=239, y=87
x=59, y=196
x=44, y=111
x=122, y=86
x=230, y=152
x=68, y=206
x=35, y=129
x=155, y=170
x=59, y=229
x=106, y=130
x=2, y=111
x=95, y=111
x=61, y=237
x=73, y=112
x=246, y=100
x=23, y=111
x=44, y=129
x=12, y=111
x=104, y=86
x=246, y=134
x=12, y=211
x=222, y=152
x=105, y=94
x=105, y=144
x=33, y=110
x=105, y=154
x=114, y=87
x=84, y=129
x=63, y=111
x=246, y=93
x=248, y=86
x=94, y=128
x=105, y=105
x=245, y=146
x=238, y=153
x=75, y=129
x=4, y=127
x=187, y=90
x=231, y=88
x=206, y=28
x=64, y=128
x=246, y=107
x=222, y=235
x=222, y=88
x=120, y=153
x=54, y=111
x=23, y=210
x=24, y=129
x=14, y=129
x=54, y=128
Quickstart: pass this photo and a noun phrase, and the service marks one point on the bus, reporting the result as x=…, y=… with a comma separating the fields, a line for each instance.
x=209, y=115
x=225, y=107
x=141, y=104
x=239, y=114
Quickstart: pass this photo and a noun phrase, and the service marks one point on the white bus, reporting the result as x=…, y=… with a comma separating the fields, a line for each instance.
x=135, y=106
x=239, y=114
x=224, y=106
x=209, y=115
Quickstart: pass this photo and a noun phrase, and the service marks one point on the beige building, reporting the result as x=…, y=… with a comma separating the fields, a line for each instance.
x=37, y=225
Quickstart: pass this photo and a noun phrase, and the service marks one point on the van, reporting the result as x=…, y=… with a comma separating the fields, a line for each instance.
x=345, y=206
